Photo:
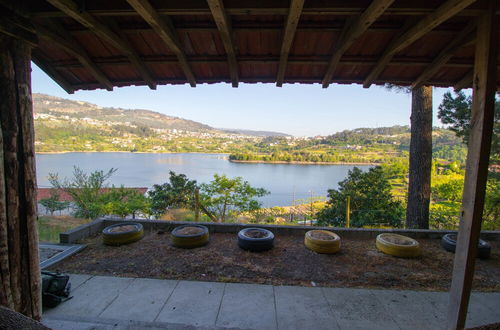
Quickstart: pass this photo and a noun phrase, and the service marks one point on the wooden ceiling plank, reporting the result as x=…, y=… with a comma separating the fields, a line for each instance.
x=164, y=28
x=292, y=21
x=71, y=46
x=224, y=26
x=356, y=28
x=449, y=9
x=38, y=59
x=465, y=37
x=87, y=20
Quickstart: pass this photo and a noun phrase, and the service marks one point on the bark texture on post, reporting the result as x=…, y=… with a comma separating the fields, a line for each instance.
x=419, y=186
x=19, y=261
x=476, y=167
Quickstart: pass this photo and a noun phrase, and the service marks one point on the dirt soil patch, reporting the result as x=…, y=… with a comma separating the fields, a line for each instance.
x=122, y=229
x=322, y=236
x=189, y=231
x=358, y=264
x=398, y=240
x=255, y=234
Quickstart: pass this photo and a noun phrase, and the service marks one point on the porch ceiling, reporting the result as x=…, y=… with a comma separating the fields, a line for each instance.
x=102, y=44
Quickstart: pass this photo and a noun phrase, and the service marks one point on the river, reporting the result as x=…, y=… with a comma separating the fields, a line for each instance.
x=284, y=181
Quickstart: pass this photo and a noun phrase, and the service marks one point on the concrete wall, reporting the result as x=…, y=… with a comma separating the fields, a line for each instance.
x=98, y=225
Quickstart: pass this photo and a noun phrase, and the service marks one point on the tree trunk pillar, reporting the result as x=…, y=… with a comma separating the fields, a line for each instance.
x=476, y=172
x=19, y=261
x=419, y=186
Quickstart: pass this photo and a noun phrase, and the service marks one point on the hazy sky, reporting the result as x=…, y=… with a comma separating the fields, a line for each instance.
x=301, y=110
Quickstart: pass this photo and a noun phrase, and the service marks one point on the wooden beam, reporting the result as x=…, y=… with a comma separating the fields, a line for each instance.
x=476, y=173
x=38, y=59
x=351, y=10
x=355, y=30
x=292, y=21
x=164, y=28
x=16, y=26
x=465, y=82
x=105, y=33
x=224, y=26
x=71, y=46
x=426, y=24
x=465, y=37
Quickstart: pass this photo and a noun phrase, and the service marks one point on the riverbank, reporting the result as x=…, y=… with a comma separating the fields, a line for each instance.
x=299, y=163
x=126, y=152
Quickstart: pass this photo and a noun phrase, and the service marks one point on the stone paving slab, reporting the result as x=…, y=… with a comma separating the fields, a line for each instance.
x=92, y=297
x=303, y=308
x=247, y=306
x=142, y=300
x=103, y=302
x=358, y=309
x=193, y=303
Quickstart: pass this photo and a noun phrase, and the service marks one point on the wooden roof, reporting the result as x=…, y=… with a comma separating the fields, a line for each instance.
x=90, y=44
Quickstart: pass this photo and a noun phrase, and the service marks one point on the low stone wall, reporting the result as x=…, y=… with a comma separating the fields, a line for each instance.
x=96, y=226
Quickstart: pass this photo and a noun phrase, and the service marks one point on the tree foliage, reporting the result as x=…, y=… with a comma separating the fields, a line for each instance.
x=123, y=201
x=52, y=203
x=455, y=111
x=179, y=192
x=86, y=190
x=224, y=196
x=371, y=201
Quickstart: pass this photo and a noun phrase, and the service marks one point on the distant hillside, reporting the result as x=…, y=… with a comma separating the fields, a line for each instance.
x=253, y=133
x=51, y=105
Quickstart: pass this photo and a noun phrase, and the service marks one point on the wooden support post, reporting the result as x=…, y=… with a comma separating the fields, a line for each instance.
x=483, y=108
x=19, y=261
x=197, y=205
x=348, y=212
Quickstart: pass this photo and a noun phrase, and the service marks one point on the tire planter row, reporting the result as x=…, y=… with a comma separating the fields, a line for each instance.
x=449, y=243
x=122, y=233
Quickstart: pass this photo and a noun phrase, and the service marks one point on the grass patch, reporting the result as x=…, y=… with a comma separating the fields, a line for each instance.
x=49, y=227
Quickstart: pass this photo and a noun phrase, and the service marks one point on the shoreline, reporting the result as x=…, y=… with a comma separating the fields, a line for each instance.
x=130, y=152
x=298, y=162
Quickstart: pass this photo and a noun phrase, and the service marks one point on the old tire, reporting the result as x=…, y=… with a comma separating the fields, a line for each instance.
x=398, y=245
x=322, y=245
x=255, y=244
x=449, y=243
x=189, y=241
x=110, y=237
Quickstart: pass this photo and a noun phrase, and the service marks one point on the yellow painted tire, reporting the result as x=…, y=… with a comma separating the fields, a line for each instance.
x=386, y=244
x=189, y=241
x=322, y=245
x=119, y=238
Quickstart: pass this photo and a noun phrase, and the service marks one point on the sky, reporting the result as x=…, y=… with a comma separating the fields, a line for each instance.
x=300, y=110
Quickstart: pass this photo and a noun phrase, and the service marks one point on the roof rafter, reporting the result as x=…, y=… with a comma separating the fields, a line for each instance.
x=465, y=37
x=465, y=82
x=164, y=28
x=87, y=20
x=355, y=29
x=426, y=24
x=38, y=59
x=224, y=26
x=292, y=21
x=70, y=46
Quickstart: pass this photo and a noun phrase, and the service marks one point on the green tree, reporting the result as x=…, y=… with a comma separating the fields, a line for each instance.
x=456, y=112
x=178, y=192
x=224, y=196
x=86, y=190
x=371, y=201
x=123, y=201
x=53, y=203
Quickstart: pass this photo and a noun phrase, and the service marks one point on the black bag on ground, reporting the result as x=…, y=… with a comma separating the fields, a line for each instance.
x=55, y=288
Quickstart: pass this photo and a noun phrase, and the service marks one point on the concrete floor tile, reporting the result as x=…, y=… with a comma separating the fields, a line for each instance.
x=193, y=303
x=142, y=300
x=92, y=297
x=303, y=308
x=358, y=309
x=247, y=306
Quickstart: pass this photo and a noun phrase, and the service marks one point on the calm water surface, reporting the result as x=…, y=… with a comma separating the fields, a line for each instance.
x=144, y=169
